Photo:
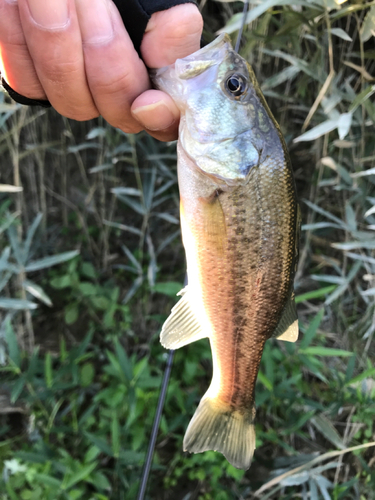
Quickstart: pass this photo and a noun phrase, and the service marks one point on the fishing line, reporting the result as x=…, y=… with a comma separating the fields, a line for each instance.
x=244, y=12
x=155, y=428
x=168, y=366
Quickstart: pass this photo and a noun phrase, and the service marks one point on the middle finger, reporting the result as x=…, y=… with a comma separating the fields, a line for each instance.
x=115, y=73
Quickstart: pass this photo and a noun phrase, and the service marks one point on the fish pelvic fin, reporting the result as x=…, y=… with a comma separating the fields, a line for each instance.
x=182, y=326
x=287, y=329
x=219, y=427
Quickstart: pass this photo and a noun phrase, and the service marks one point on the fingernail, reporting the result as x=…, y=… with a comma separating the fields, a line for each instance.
x=155, y=116
x=94, y=21
x=49, y=14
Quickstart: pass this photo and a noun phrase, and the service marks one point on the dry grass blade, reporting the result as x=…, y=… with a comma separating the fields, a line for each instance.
x=331, y=454
x=8, y=188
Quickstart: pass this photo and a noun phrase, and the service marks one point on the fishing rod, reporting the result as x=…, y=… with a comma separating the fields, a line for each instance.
x=168, y=366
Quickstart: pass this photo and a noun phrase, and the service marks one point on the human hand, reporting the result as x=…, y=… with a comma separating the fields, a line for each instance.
x=78, y=55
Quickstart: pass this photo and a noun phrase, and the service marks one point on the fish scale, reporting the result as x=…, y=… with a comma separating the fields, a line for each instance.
x=239, y=222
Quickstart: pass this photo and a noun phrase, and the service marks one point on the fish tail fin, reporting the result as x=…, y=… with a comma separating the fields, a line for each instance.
x=217, y=426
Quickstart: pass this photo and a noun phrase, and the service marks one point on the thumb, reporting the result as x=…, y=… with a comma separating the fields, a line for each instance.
x=171, y=34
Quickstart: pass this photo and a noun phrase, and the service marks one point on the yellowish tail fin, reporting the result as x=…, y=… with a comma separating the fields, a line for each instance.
x=218, y=427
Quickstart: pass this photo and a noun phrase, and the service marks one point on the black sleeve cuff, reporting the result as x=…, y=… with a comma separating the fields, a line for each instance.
x=136, y=14
x=23, y=100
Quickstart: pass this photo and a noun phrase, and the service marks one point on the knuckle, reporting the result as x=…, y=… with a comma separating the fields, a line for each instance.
x=113, y=84
x=59, y=72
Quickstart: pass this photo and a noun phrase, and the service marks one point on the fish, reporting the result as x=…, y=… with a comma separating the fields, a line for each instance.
x=240, y=230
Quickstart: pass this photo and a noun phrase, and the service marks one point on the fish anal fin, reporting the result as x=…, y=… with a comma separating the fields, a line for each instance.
x=287, y=329
x=291, y=334
x=219, y=427
x=182, y=326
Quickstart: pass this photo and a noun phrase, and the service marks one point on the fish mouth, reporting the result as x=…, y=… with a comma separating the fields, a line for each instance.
x=170, y=78
x=206, y=57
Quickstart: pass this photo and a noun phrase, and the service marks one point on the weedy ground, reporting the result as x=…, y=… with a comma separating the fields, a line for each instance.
x=91, y=260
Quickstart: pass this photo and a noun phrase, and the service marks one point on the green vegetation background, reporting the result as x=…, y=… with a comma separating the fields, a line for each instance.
x=91, y=260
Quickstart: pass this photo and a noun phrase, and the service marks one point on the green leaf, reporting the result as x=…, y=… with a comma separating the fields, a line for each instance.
x=17, y=304
x=37, y=292
x=264, y=380
x=51, y=261
x=11, y=492
x=128, y=457
x=312, y=330
x=87, y=288
x=71, y=314
x=169, y=288
x=286, y=74
x=324, y=351
x=314, y=294
x=324, y=425
x=61, y=282
x=124, y=361
x=87, y=374
x=49, y=480
x=17, y=389
x=318, y=131
x=115, y=435
x=366, y=374
x=254, y=13
x=343, y=125
x=100, y=302
x=30, y=235
x=48, y=370
x=88, y=270
x=13, y=349
x=368, y=26
x=341, y=34
x=79, y=475
x=362, y=97
x=99, y=443
x=101, y=482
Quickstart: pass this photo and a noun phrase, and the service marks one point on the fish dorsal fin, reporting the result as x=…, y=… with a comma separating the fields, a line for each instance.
x=182, y=326
x=287, y=329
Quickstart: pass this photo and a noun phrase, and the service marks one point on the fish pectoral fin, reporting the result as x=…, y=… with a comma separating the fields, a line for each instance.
x=217, y=426
x=182, y=326
x=287, y=329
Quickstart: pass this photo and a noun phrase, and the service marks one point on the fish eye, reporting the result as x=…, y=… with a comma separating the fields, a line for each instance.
x=236, y=84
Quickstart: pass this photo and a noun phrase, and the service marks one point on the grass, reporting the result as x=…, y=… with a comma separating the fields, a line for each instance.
x=91, y=260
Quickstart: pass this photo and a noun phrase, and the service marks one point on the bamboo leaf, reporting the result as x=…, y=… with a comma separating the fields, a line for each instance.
x=79, y=475
x=343, y=125
x=314, y=294
x=324, y=425
x=325, y=351
x=18, y=304
x=236, y=21
x=368, y=27
x=46, y=262
x=341, y=34
x=318, y=131
x=37, y=292
x=307, y=466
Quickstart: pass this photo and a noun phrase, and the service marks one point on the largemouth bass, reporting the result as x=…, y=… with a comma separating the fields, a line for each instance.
x=239, y=221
